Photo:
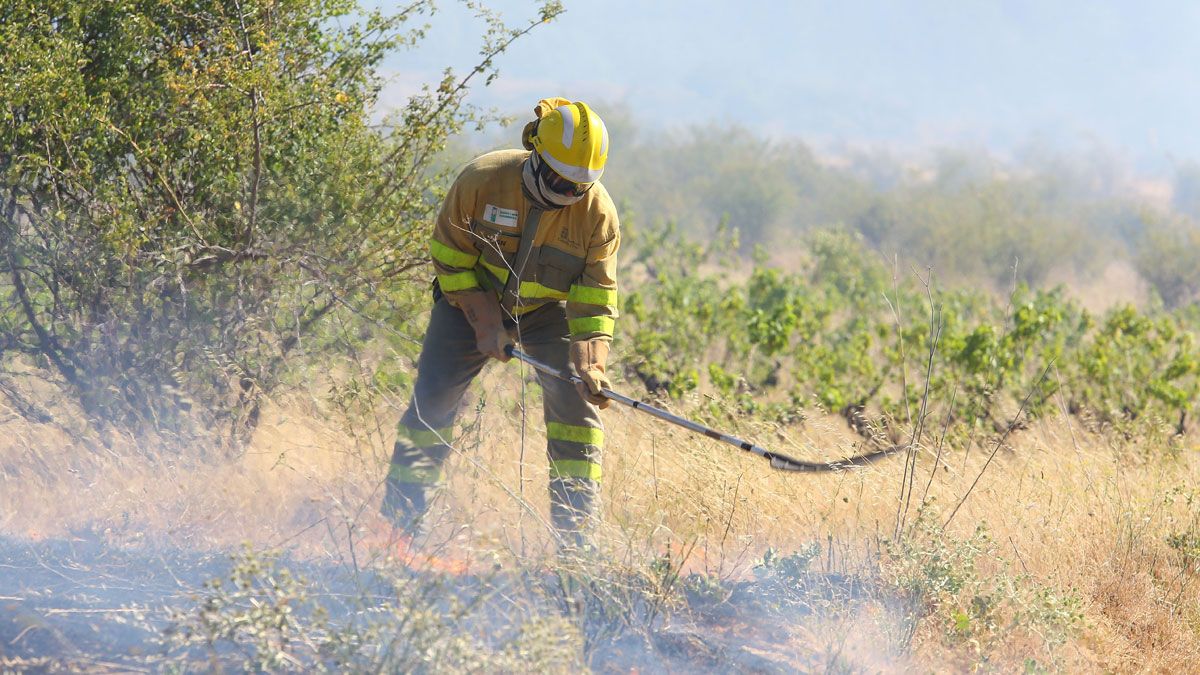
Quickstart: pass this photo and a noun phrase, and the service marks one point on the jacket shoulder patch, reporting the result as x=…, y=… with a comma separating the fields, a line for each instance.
x=571, y=236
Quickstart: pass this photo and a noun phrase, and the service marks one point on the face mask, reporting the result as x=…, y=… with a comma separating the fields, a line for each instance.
x=541, y=182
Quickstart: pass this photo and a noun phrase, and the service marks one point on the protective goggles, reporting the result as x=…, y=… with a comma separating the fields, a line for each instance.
x=560, y=185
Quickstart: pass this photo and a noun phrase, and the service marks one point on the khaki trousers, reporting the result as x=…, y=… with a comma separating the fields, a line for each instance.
x=448, y=363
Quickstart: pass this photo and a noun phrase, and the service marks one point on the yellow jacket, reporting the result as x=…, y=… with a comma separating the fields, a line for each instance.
x=574, y=255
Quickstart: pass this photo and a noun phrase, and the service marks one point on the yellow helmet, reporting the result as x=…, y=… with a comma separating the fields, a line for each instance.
x=571, y=138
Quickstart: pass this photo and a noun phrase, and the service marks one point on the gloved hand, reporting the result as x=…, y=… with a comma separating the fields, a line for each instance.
x=588, y=358
x=482, y=310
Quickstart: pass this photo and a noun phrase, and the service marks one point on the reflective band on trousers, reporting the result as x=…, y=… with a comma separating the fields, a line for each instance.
x=592, y=324
x=424, y=475
x=574, y=468
x=424, y=438
x=457, y=282
x=557, y=431
x=449, y=256
x=592, y=295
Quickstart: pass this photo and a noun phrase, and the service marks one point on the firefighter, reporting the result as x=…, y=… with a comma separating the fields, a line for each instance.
x=525, y=251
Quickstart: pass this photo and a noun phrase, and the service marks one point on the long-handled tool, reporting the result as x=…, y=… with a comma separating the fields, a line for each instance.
x=778, y=461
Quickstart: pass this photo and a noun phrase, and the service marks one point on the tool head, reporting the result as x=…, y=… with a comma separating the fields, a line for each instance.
x=788, y=464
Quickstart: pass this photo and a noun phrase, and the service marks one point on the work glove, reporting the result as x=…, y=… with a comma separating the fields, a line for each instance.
x=587, y=360
x=482, y=310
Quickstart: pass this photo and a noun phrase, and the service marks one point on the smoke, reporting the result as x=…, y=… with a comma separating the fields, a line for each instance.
x=135, y=559
x=83, y=604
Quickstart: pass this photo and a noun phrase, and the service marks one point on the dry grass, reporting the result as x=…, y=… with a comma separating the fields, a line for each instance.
x=1068, y=513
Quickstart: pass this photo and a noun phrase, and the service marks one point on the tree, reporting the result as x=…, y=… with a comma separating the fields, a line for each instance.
x=1186, y=192
x=190, y=186
x=1166, y=257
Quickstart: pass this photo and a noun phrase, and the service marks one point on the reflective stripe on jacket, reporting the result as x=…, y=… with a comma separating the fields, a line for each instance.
x=574, y=256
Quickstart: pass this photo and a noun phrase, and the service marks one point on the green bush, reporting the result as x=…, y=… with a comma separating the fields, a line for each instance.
x=838, y=333
x=191, y=188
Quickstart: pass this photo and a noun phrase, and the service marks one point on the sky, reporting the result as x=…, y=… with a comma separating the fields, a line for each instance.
x=1124, y=76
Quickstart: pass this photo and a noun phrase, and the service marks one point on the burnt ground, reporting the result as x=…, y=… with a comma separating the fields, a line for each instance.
x=84, y=605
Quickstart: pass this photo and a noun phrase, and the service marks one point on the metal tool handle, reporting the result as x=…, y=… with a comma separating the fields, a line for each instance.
x=778, y=461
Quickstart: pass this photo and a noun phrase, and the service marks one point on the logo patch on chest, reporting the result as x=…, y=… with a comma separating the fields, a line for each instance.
x=502, y=217
x=570, y=238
